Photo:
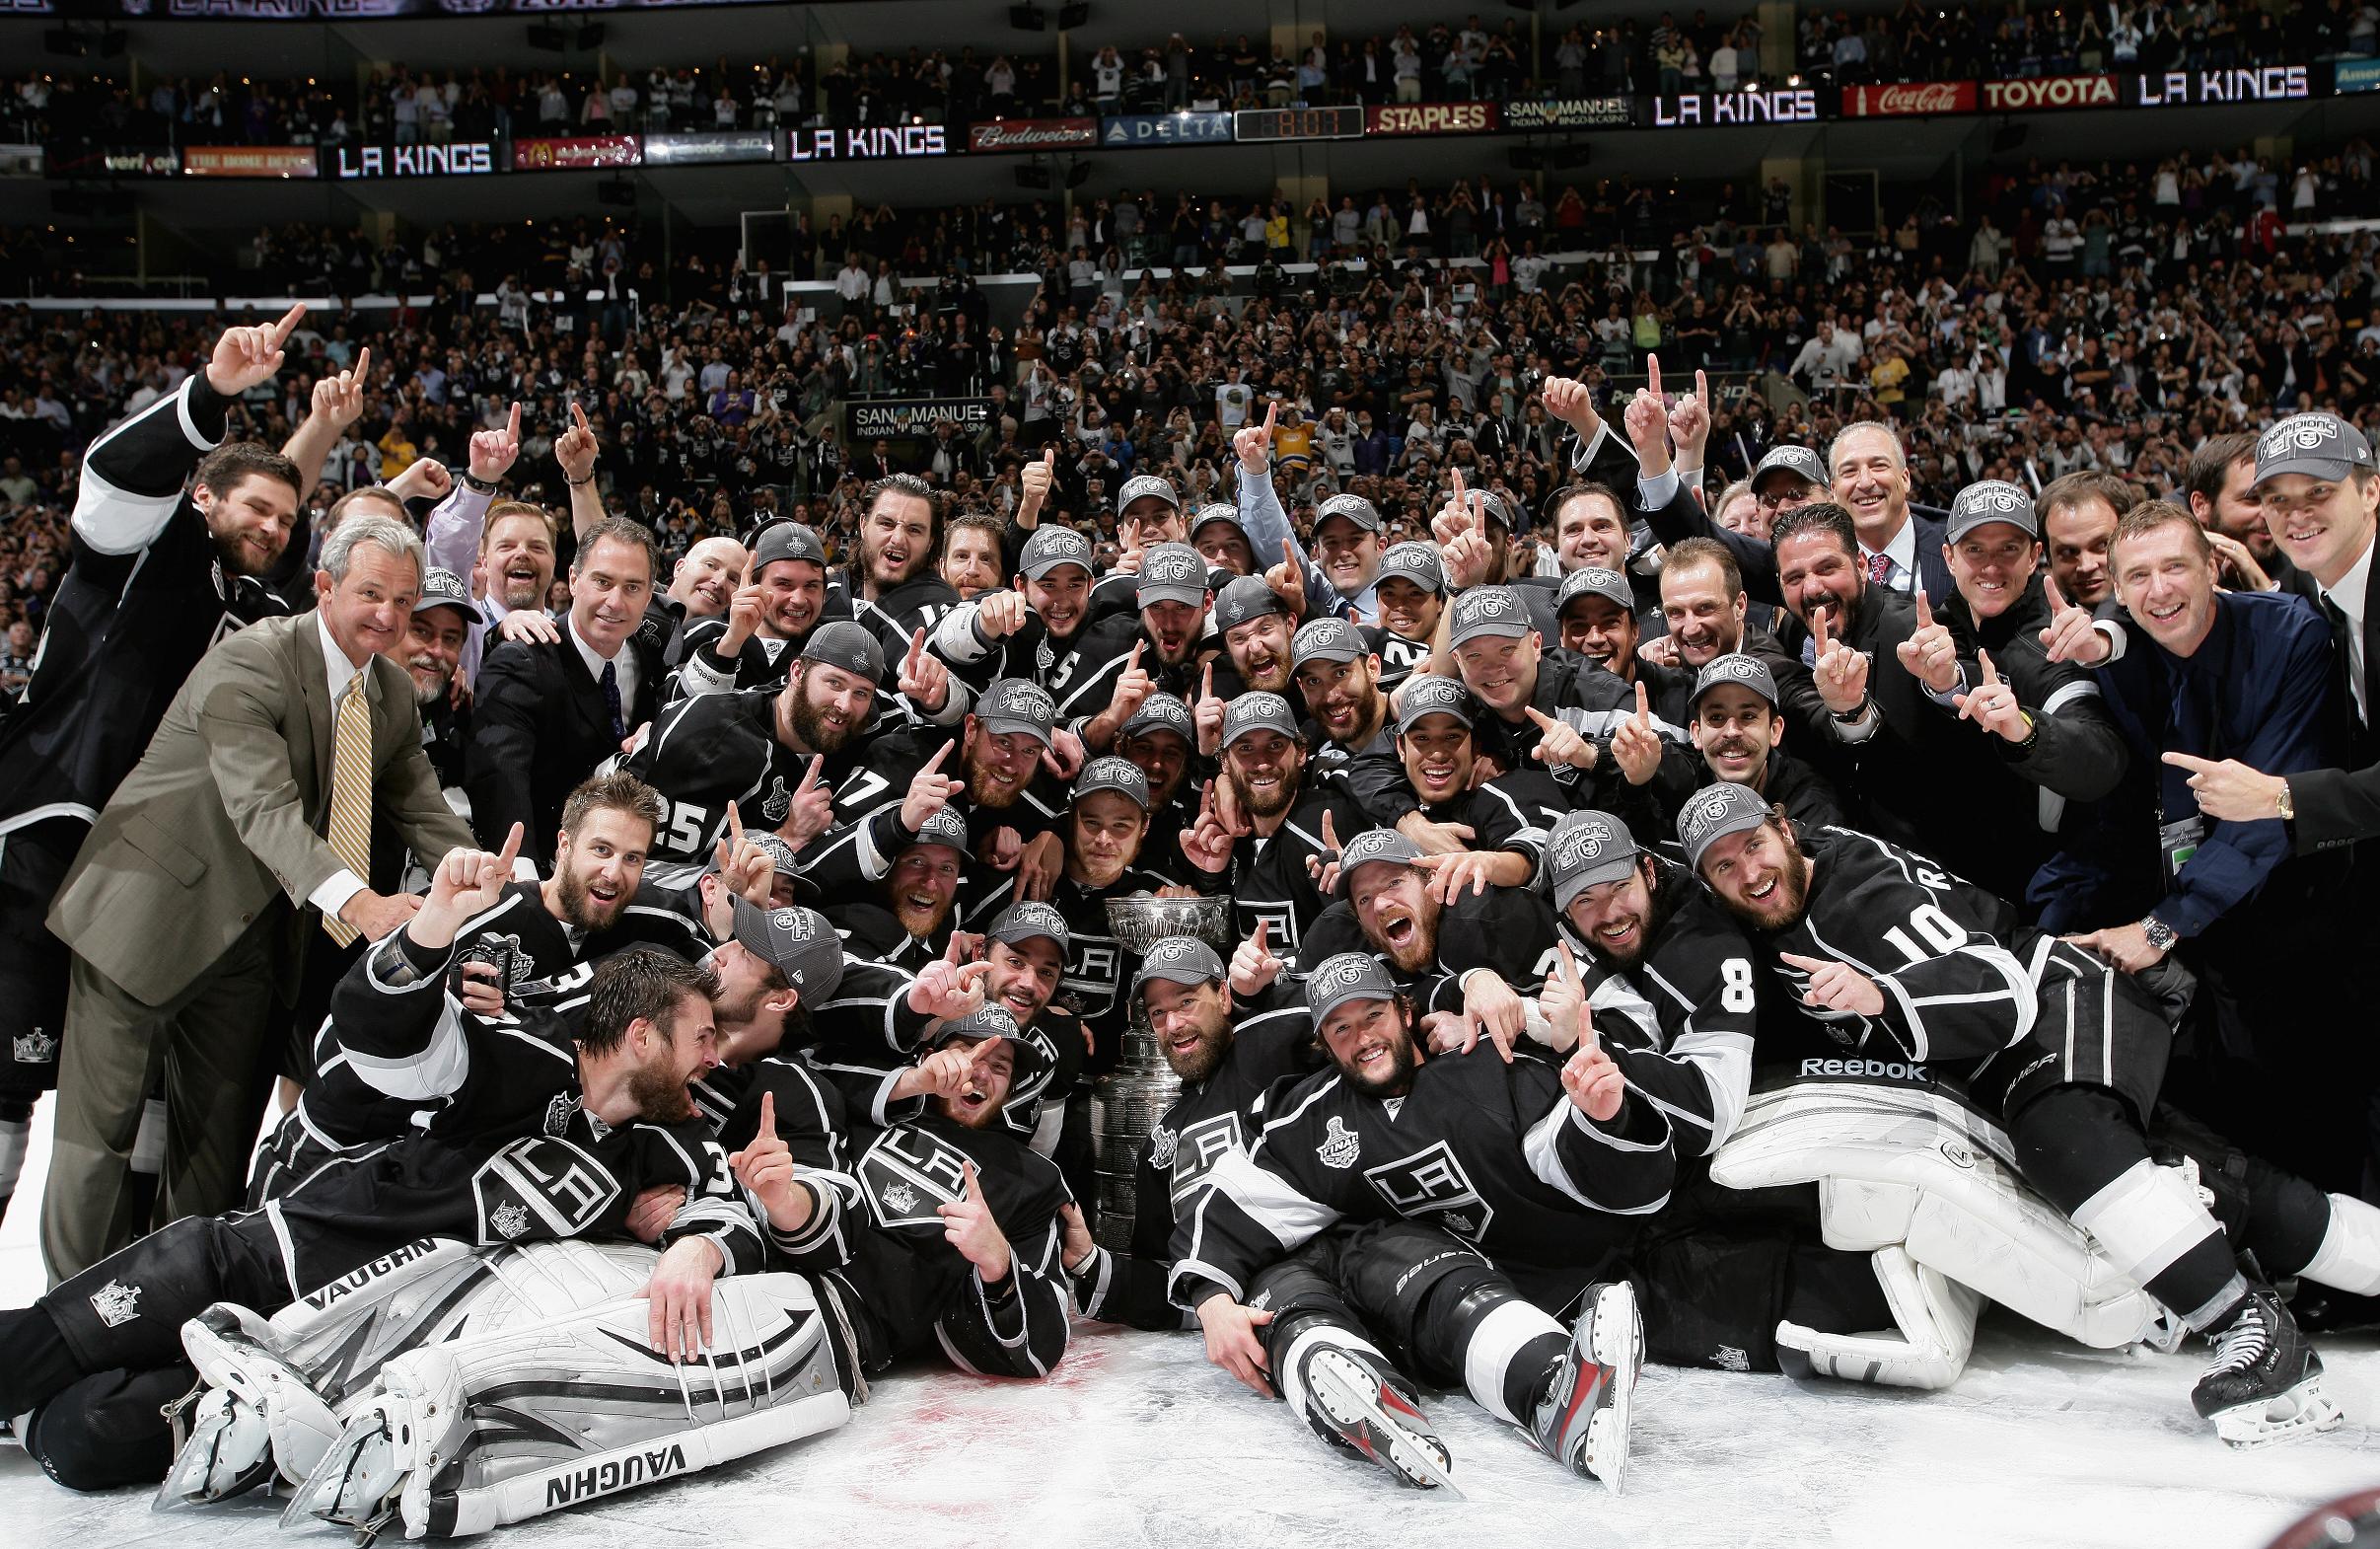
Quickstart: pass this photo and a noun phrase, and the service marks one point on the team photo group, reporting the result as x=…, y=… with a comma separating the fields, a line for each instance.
x=1459, y=956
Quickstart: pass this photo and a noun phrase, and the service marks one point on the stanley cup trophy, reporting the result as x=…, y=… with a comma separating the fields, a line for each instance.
x=1127, y=1103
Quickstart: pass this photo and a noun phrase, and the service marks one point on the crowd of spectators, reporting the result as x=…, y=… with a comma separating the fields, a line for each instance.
x=1932, y=42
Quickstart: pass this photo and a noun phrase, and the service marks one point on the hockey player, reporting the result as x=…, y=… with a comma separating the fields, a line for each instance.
x=1256, y=627
x=891, y=590
x=905, y=919
x=1425, y=783
x=1031, y=630
x=1124, y=659
x=1339, y=678
x=1499, y=654
x=1411, y=585
x=1738, y=725
x=1162, y=739
x=773, y=613
x=776, y=757
x=1262, y=821
x=1496, y=1191
x=1890, y=954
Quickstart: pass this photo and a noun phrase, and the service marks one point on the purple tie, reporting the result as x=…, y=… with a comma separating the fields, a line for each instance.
x=1880, y=568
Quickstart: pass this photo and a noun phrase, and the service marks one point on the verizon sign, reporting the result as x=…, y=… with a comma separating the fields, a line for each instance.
x=1907, y=102
x=2057, y=91
x=1031, y=135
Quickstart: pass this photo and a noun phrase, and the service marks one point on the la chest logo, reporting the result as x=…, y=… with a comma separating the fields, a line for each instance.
x=1432, y=1181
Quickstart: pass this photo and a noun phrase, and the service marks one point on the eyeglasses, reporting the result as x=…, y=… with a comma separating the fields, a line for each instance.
x=1775, y=498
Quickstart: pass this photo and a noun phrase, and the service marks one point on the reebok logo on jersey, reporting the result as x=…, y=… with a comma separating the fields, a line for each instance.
x=1340, y=1146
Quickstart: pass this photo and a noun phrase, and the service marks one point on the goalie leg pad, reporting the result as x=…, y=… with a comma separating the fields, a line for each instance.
x=1935, y=1321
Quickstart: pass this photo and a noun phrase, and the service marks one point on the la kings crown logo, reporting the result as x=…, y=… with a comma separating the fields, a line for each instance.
x=116, y=1303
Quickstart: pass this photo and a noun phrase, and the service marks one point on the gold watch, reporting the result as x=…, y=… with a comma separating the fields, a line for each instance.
x=2282, y=806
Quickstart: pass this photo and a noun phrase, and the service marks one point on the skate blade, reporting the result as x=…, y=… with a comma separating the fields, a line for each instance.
x=1618, y=1346
x=330, y=1494
x=200, y=1460
x=1407, y=1455
x=2311, y=1412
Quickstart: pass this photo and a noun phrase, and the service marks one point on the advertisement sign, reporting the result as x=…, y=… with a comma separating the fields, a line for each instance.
x=251, y=161
x=1903, y=102
x=1297, y=123
x=1031, y=135
x=1430, y=119
x=869, y=418
x=353, y=10
x=2270, y=83
x=114, y=161
x=2050, y=91
x=461, y=159
x=2355, y=75
x=878, y=142
x=728, y=145
x=593, y=150
x=1141, y=130
x=1781, y=105
x=1571, y=113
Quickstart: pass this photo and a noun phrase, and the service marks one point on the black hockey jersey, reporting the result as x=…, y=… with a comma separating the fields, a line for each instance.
x=1267, y=877
x=1507, y=931
x=1099, y=968
x=809, y=1121
x=705, y=752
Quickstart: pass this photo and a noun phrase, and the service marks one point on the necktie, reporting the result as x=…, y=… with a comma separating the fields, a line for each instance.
x=1880, y=568
x=349, y=830
x=620, y=724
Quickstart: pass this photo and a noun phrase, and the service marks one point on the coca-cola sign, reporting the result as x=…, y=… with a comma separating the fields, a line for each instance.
x=2050, y=92
x=1031, y=135
x=1903, y=102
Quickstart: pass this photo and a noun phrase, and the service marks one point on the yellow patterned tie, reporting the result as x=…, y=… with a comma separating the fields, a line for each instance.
x=350, y=828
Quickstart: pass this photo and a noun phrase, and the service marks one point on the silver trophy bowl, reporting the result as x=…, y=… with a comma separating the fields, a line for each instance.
x=1127, y=1103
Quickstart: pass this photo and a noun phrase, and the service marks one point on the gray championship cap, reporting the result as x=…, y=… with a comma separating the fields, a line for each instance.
x=1737, y=668
x=1140, y=484
x=1161, y=712
x=1017, y=704
x=1799, y=461
x=1348, y=976
x=1587, y=848
x=1488, y=610
x=1243, y=597
x=1381, y=845
x=1415, y=561
x=781, y=859
x=1990, y=500
x=947, y=827
x=787, y=540
x=1024, y=921
x=1355, y=508
x=848, y=646
x=1180, y=960
x=1220, y=511
x=1427, y=694
x=798, y=942
x=1259, y=711
x=1595, y=581
x=445, y=589
x=1121, y=776
x=1052, y=546
x=1494, y=507
x=1326, y=641
x=2316, y=445
x=1714, y=812
x=989, y=1020
x=1172, y=573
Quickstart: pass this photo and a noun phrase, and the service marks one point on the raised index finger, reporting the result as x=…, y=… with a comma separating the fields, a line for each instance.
x=2049, y=591
x=1261, y=926
x=363, y=364
x=1925, y=614
x=512, y=848
x=735, y=824
x=1983, y=658
x=1459, y=496
x=818, y=762
x=1272, y=412
x=1644, y=708
x=768, y=1117
x=289, y=322
x=577, y=416
x=935, y=762
x=1652, y=375
x=916, y=650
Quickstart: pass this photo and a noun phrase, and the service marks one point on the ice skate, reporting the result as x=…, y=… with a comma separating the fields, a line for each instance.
x=393, y=1444
x=257, y=1414
x=2264, y=1383
x=1583, y=1419
x=1357, y=1402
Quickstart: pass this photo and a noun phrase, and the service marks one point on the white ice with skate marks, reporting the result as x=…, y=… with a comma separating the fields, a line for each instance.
x=1137, y=1441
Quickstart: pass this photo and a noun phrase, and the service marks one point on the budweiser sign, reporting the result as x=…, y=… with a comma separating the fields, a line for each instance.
x=2057, y=91
x=1903, y=102
x=1031, y=135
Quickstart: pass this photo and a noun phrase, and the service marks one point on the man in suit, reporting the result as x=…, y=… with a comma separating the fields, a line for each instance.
x=1901, y=550
x=245, y=829
x=545, y=714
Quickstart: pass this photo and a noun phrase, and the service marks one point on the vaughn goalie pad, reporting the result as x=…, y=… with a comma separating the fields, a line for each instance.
x=466, y=1436
x=1902, y=1163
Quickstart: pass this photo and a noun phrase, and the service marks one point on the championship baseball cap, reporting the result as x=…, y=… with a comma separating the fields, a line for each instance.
x=1595, y=581
x=1326, y=641
x=1121, y=776
x=787, y=540
x=1586, y=848
x=2315, y=444
x=1172, y=573
x=945, y=826
x=1243, y=597
x=989, y=1020
x=1024, y=921
x=1180, y=960
x=1714, y=812
x=798, y=942
x=1052, y=546
x=1799, y=461
x=780, y=855
x=445, y=589
x=1383, y=845
x=1488, y=610
x=847, y=645
x=1990, y=500
x=1344, y=977
x=1220, y=511
x=1259, y=711
x=1736, y=667
x=1355, y=508
x=1415, y=561
x=1494, y=507
x=1017, y=704
x=1427, y=694
x=1140, y=484
x=1161, y=712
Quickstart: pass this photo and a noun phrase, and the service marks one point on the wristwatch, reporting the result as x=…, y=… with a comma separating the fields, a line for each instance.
x=2285, y=806
x=2160, y=934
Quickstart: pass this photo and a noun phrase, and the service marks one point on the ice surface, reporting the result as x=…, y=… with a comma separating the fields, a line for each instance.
x=1136, y=1442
